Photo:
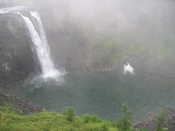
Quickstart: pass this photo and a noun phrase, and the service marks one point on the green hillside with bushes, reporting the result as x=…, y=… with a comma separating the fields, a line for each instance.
x=12, y=119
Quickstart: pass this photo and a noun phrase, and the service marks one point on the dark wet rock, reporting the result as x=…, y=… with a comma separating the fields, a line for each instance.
x=18, y=60
x=151, y=122
x=25, y=106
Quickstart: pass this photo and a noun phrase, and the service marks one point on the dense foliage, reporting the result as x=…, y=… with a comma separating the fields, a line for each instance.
x=11, y=120
x=14, y=120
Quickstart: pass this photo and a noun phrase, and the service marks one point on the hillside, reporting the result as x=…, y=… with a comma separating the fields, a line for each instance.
x=11, y=120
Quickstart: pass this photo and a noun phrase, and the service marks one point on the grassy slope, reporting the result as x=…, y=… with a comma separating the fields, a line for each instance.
x=51, y=121
x=12, y=119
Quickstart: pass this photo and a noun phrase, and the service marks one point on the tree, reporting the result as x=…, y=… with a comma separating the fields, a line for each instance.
x=69, y=114
x=125, y=124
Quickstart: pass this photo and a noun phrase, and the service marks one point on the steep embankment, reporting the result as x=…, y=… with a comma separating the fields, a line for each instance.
x=17, y=61
x=164, y=120
x=24, y=105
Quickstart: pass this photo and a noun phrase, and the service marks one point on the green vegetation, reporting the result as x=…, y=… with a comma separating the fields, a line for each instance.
x=125, y=124
x=69, y=114
x=13, y=120
x=162, y=121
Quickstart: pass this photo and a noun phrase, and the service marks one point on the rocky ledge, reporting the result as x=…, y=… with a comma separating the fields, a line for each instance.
x=166, y=120
x=24, y=106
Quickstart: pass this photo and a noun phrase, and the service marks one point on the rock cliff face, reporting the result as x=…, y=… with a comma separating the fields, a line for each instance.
x=17, y=60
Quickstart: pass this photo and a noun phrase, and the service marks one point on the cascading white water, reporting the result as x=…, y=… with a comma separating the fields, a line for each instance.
x=41, y=46
x=39, y=40
x=35, y=15
x=49, y=69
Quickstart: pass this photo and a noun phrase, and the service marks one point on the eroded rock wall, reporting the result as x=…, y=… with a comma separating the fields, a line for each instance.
x=17, y=58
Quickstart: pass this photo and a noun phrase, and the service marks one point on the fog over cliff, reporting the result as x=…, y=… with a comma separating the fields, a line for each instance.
x=92, y=40
x=143, y=29
x=139, y=31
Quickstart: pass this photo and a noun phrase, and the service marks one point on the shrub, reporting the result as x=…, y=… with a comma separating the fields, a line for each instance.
x=125, y=124
x=69, y=114
x=90, y=118
x=162, y=121
x=104, y=128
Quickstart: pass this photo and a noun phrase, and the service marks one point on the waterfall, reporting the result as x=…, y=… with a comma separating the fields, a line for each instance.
x=39, y=41
x=43, y=51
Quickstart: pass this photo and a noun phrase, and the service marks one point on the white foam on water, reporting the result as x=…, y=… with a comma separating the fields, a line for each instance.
x=128, y=69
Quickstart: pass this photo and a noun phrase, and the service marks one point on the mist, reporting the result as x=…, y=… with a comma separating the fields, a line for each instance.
x=74, y=27
x=114, y=51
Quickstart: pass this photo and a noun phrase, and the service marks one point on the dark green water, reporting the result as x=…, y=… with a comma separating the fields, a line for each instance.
x=104, y=93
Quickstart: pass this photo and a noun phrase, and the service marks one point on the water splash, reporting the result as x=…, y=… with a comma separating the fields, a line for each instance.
x=128, y=69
